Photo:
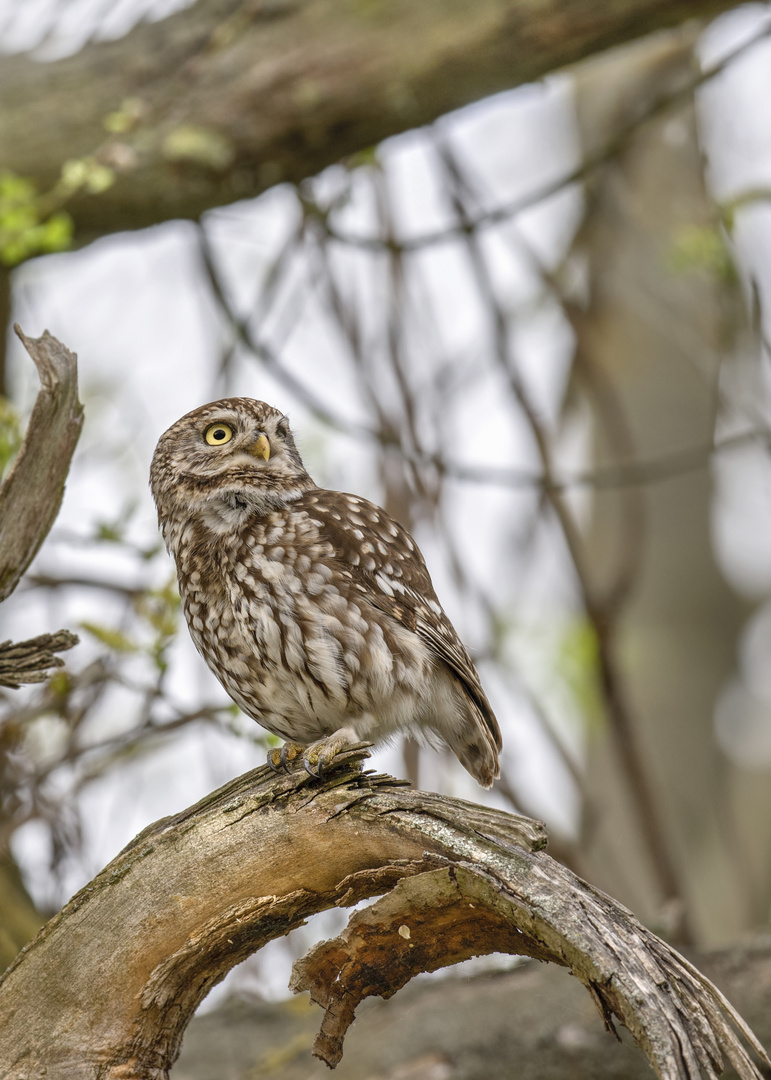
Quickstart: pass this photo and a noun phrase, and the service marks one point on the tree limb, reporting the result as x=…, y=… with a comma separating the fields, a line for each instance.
x=32, y=491
x=228, y=98
x=108, y=986
x=482, y=1024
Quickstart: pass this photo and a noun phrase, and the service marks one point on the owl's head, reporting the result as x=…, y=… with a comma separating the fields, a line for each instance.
x=225, y=459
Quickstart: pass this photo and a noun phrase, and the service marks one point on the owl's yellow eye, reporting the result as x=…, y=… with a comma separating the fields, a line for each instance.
x=217, y=434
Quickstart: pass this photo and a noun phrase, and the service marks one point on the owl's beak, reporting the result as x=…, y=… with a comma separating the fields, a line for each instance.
x=260, y=448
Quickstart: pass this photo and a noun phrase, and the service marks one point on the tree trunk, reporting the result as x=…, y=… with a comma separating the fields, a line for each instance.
x=108, y=986
x=225, y=99
x=655, y=338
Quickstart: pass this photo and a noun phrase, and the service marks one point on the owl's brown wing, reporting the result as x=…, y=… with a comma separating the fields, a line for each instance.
x=385, y=563
x=441, y=637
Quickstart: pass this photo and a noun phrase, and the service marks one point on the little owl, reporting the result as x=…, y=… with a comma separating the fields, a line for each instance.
x=313, y=608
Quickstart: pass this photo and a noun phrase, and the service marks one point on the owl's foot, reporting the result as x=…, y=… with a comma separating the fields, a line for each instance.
x=283, y=758
x=321, y=757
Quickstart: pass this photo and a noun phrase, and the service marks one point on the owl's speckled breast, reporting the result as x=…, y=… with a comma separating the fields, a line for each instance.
x=295, y=644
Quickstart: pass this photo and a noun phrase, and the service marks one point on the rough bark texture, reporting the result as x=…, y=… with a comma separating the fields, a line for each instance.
x=234, y=97
x=32, y=491
x=108, y=986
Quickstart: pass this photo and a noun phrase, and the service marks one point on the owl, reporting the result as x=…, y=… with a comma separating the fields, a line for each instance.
x=312, y=607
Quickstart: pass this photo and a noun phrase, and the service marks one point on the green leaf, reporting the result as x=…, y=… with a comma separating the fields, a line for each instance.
x=25, y=230
x=126, y=117
x=204, y=146
x=366, y=158
x=161, y=609
x=85, y=173
x=112, y=637
x=702, y=248
x=60, y=683
x=56, y=234
x=15, y=188
x=110, y=532
x=578, y=661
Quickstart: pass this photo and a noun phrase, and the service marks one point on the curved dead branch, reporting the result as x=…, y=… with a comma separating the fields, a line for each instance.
x=108, y=986
x=32, y=491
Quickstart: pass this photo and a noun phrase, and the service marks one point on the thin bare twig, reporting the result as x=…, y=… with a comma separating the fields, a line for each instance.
x=617, y=706
x=620, y=474
x=510, y=209
x=260, y=349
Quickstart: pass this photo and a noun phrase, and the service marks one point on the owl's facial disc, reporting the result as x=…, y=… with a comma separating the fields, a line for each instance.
x=226, y=456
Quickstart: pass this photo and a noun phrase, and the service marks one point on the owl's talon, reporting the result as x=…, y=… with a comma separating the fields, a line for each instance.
x=290, y=752
x=281, y=759
x=313, y=768
x=322, y=757
x=318, y=757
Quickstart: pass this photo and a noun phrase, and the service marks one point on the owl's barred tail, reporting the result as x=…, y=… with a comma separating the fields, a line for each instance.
x=477, y=749
x=482, y=762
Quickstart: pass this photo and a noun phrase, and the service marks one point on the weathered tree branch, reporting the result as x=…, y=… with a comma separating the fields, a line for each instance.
x=30, y=497
x=231, y=97
x=108, y=986
x=32, y=491
x=30, y=661
x=531, y=1022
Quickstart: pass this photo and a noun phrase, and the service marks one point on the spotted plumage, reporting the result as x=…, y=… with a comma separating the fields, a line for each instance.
x=313, y=608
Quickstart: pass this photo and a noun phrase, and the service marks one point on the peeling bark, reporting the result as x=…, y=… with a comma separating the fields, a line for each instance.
x=232, y=97
x=30, y=661
x=425, y=923
x=108, y=986
x=532, y=1023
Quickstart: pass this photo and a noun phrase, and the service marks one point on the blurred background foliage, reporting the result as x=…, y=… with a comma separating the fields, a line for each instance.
x=534, y=329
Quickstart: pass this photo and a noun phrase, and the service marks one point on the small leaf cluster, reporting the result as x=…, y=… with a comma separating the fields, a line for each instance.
x=703, y=249
x=34, y=224
x=158, y=611
x=25, y=228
